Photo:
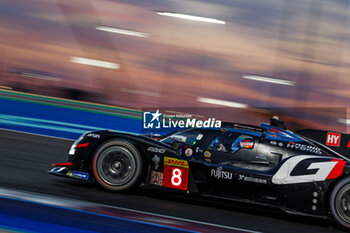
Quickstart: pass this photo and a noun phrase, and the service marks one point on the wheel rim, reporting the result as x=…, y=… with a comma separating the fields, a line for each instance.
x=116, y=166
x=342, y=203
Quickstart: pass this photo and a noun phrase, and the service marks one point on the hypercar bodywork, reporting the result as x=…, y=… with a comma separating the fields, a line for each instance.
x=301, y=173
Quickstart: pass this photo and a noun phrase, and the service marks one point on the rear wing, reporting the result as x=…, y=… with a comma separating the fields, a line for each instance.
x=334, y=141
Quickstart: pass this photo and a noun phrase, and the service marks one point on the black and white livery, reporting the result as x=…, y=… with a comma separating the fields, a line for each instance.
x=305, y=172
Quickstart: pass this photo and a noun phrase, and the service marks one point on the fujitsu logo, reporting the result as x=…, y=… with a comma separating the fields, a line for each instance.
x=219, y=174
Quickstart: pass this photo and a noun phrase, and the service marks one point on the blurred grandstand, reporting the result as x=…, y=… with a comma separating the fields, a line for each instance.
x=271, y=54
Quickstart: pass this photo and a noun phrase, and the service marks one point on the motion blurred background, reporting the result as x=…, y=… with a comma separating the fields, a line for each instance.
x=250, y=55
x=72, y=66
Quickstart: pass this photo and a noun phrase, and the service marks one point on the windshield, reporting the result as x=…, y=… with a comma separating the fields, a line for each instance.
x=231, y=142
x=187, y=137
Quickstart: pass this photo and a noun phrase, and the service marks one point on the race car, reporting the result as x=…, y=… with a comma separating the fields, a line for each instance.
x=304, y=173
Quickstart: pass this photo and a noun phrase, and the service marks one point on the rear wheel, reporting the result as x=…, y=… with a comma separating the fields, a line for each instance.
x=117, y=165
x=340, y=203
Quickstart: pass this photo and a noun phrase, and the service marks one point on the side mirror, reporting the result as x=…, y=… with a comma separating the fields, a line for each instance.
x=175, y=145
x=177, y=139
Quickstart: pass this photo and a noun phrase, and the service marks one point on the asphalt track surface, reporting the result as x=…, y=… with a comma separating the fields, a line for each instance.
x=25, y=159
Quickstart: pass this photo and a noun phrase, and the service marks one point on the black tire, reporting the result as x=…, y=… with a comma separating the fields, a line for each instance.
x=117, y=165
x=340, y=203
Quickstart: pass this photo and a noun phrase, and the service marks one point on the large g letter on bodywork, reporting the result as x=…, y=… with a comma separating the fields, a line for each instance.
x=306, y=168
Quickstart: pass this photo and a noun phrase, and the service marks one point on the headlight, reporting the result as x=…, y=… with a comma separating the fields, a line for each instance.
x=72, y=148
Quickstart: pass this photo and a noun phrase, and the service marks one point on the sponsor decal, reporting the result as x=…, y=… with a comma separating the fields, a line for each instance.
x=273, y=143
x=188, y=152
x=79, y=175
x=93, y=135
x=306, y=168
x=337, y=170
x=224, y=130
x=156, y=161
x=157, y=120
x=218, y=173
x=252, y=179
x=156, y=178
x=175, y=162
x=207, y=154
x=175, y=173
x=156, y=150
x=247, y=143
x=273, y=130
x=333, y=139
x=303, y=147
x=199, y=137
x=280, y=144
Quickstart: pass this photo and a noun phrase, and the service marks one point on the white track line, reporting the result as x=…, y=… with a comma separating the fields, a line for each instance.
x=64, y=202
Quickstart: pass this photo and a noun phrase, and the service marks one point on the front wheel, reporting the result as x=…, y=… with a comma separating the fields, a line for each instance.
x=340, y=203
x=117, y=165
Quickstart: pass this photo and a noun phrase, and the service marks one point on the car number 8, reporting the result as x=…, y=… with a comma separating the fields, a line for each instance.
x=176, y=177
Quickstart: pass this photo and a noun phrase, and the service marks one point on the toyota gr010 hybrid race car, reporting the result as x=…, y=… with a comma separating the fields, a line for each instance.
x=305, y=172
